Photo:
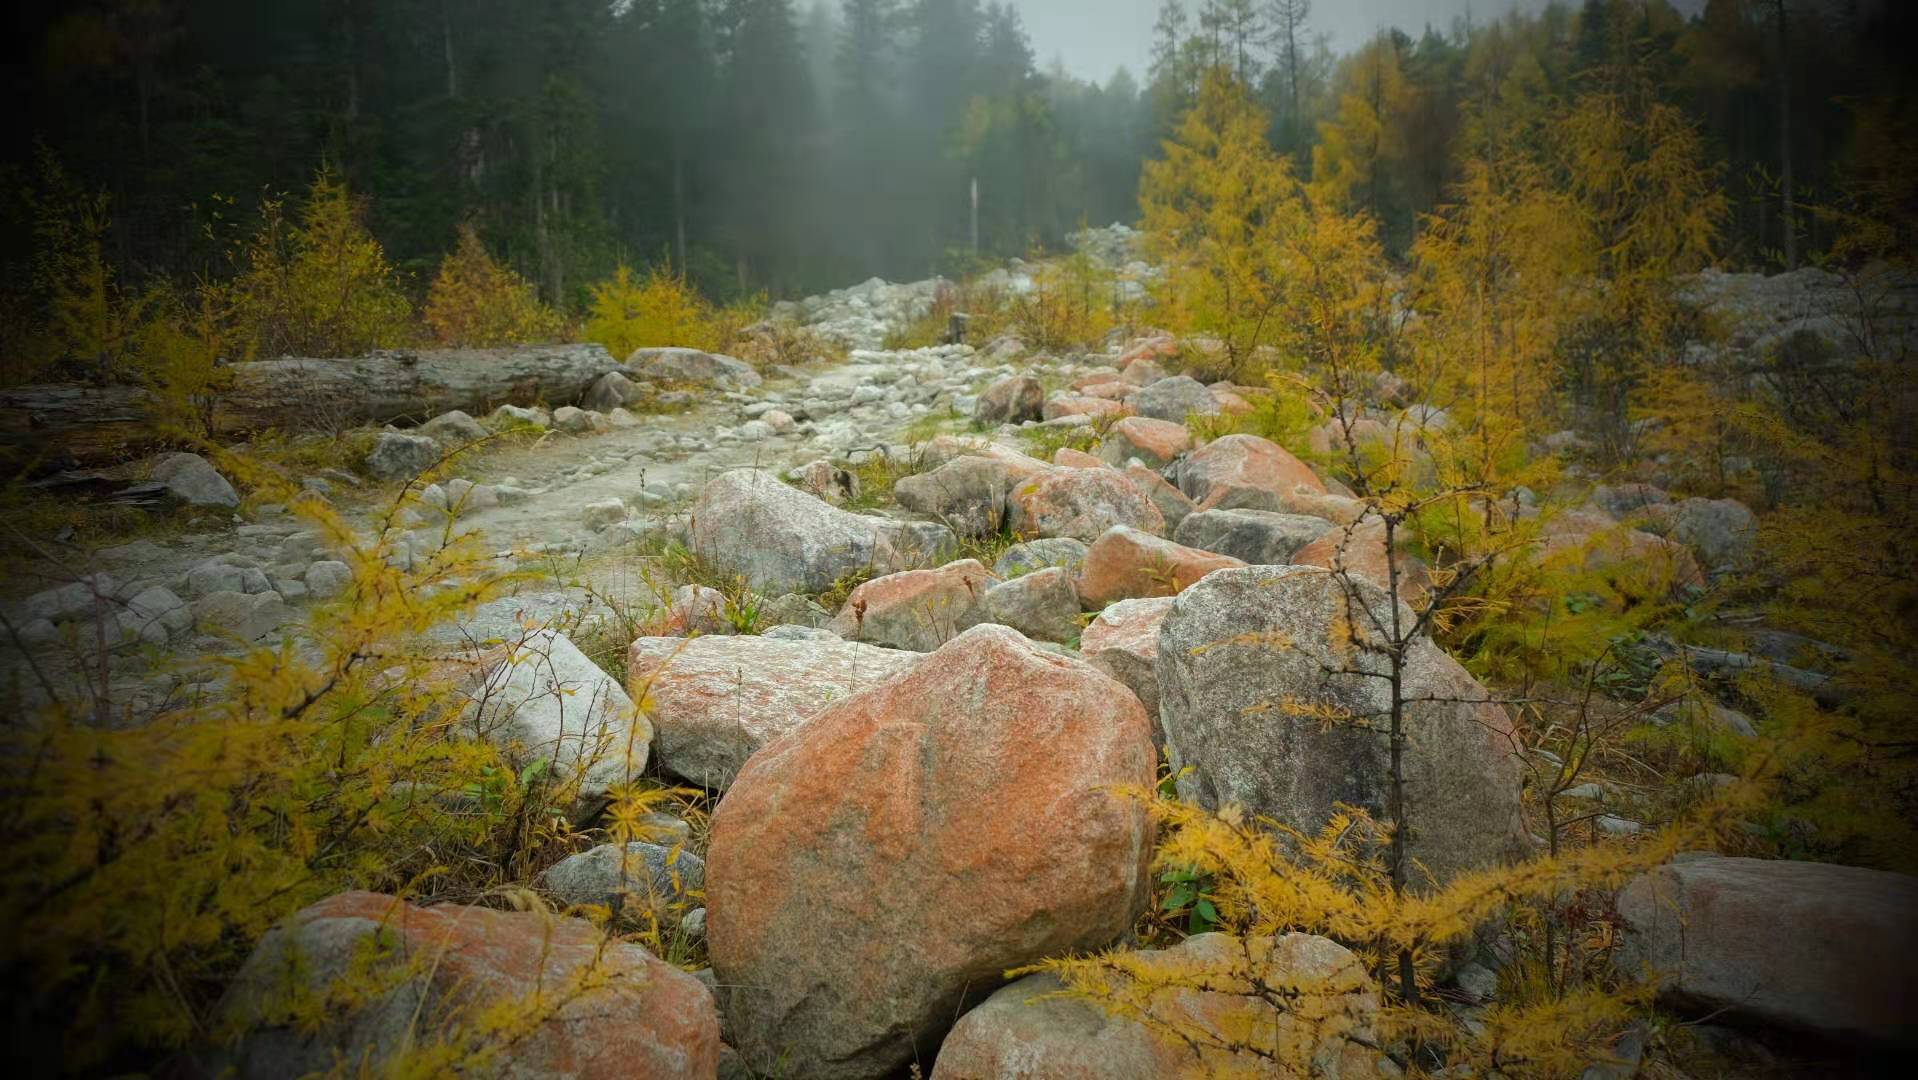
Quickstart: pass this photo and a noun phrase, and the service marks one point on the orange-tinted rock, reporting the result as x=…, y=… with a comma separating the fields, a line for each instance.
x=1126, y=563
x=1360, y=551
x=1156, y=347
x=970, y=492
x=1112, y=391
x=1123, y=642
x=714, y=701
x=1157, y=443
x=910, y=843
x=1011, y=400
x=1025, y=1032
x=1231, y=402
x=617, y=1011
x=1069, y=458
x=1079, y=405
x=1101, y=374
x=1082, y=504
x=1329, y=506
x=1245, y=472
x=1172, y=504
x=918, y=609
x=1143, y=371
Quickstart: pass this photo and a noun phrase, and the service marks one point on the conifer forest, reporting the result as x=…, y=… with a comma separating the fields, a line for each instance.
x=959, y=539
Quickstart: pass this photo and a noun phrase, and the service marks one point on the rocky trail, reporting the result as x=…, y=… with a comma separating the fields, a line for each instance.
x=913, y=738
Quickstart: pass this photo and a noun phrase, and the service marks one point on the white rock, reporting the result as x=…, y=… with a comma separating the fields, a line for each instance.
x=545, y=699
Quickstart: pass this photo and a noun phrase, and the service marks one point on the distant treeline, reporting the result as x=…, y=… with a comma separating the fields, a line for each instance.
x=790, y=147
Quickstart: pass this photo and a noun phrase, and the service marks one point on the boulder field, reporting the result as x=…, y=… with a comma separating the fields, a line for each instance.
x=920, y=764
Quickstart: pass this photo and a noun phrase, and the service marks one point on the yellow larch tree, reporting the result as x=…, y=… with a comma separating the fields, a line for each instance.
x=474, y=301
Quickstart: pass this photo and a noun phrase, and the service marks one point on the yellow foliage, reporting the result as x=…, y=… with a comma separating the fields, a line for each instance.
x=88, y=324
x=1265, y=879
x=321, y=287
x=147, y=853
x=1358, y=148
x=477, y=302
x=1215, y=206
x=663, y=310
x=1070, y=306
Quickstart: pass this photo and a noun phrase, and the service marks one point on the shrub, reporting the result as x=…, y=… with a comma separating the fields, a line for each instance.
x=148, y=853
x=628, y=313
x=321, y=287
x=477, y=302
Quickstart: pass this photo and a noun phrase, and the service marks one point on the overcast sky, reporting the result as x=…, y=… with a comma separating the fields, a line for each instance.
x=1095, y=37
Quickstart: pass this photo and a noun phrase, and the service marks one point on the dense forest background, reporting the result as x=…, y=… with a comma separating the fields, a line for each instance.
x=784, y=147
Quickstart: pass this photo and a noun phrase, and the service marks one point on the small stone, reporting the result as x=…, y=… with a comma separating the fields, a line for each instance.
x=396, y=456
x=327, y=579
x=661, y=879
x=454, y=428
x=598, y=515
x=194, y=481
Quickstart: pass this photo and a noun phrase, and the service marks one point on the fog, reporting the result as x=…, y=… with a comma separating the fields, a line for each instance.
x=1096, y=37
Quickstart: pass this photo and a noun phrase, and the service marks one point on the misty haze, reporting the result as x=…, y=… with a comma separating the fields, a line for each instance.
x=959, y=539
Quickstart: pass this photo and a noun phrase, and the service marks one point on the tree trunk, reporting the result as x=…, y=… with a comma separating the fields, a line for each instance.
x=92, y=423
x=679, y=204
x=446, y=42
x=1786, y=201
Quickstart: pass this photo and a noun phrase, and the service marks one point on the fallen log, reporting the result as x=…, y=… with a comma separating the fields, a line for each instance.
x=89, y=423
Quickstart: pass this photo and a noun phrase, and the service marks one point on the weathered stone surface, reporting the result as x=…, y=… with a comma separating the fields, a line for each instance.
x=644, y=1018
x=222, y=573
x=784, y=540
x=158, y=606
x=510, y=416
x=1257, y=537
x=193, y=480
x=1156, y=443
x=693, y=366
x=1014, y=1036
x=1126, y=563
x=907, y=845
x=87, y=598
x=1033, y=555
x=1081, y=504
x=1624, y=500
x=1807, y=945
x=1067, y=458
x=1242, y=644
x=1245, y=472
x=715, y=701
x=825, y=480
x=698, y=609
x=612, y=391
x=1081, y=405
x=1172, y=504
x=401, y=457
x=1722, y=531
x=1013, y=399
x=1116, y=390
x=579, y=421
x=918, y=610
x=1123, y=642
x=1174, y=398
x=1360, y=550
x=664, y=880
x=242, y=616
x=972, y=493
x=542, y=698
x=1042, y=605
x=327, y=579
x=453, y=428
